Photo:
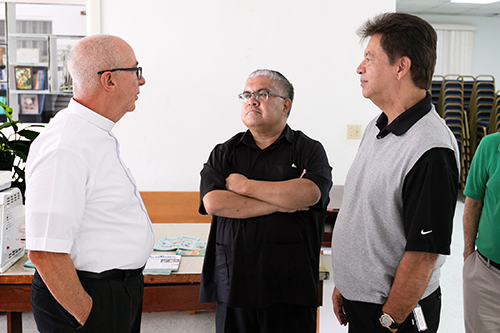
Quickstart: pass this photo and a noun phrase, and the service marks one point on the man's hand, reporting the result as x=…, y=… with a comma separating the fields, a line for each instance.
x=59, y=275
x=338, y=308
x=237, y=183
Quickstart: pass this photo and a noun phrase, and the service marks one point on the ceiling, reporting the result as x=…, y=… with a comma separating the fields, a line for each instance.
x=447, y=8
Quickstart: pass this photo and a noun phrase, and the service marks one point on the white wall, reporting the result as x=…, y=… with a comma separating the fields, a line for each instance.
x=196, y=56
x=486, y=41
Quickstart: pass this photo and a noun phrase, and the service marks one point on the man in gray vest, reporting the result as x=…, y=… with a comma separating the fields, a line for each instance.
x=395, y=223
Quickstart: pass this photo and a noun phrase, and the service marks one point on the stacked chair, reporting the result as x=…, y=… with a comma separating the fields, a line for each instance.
x=471, y=109
x=456, y=119
x=469, y=82
x=451, y=107
x=480, y=108
x=452, y=92
x=436, y=87
x=494, y=123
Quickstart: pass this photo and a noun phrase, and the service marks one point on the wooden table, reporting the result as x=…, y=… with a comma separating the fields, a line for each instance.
x=177, y=292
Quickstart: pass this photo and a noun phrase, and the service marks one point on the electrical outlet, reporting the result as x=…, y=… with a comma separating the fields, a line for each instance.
x=354, y=131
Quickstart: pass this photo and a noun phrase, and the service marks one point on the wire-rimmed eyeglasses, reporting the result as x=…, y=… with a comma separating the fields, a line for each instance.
x=138, y=71
x=260, y=95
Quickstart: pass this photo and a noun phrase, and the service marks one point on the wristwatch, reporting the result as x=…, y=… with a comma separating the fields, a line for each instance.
x=387, y=321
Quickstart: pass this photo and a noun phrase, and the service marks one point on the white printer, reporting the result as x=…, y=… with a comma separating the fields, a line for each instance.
x=12, y=231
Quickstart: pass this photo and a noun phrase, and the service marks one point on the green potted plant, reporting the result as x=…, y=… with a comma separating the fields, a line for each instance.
x=15, y=143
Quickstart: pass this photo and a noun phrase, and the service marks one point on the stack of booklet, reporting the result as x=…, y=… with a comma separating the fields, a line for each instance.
x=162, y=264
x=184, y=245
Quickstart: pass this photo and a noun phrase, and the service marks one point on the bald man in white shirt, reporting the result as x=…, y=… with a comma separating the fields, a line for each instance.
x=87, y=230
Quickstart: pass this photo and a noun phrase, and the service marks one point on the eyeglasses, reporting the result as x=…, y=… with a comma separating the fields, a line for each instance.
x=260, y=95
x=138, y=71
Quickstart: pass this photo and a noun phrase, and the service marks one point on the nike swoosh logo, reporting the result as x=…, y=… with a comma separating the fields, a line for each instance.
x=425, y=232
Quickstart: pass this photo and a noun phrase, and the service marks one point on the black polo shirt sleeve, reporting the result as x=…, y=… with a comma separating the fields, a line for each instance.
x=214, y=174
x=318, y=170
x=429, y=199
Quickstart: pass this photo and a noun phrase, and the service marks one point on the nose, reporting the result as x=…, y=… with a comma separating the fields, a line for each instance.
x=253, y=100
x=142, y=81
x=361, y=68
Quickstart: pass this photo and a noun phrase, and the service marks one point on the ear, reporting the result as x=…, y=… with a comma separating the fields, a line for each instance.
x=404, y=65
x=107, y=81
x=287, y=106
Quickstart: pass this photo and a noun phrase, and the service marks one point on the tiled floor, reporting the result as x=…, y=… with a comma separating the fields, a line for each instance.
x=451, y=314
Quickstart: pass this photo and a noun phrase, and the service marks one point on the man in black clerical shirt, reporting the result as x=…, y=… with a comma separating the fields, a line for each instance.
x=267, y=190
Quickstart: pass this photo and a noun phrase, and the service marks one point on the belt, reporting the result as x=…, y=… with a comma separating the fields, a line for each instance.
x=112, y=274
x=491, y=262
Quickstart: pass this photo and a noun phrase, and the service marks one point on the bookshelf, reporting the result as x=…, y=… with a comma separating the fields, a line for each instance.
x=34, y=81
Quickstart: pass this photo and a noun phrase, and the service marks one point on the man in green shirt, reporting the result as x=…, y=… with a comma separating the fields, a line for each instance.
x=481, y=272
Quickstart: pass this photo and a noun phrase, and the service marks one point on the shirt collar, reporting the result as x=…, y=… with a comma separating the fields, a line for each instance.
x=404, y=121
x=90, y=116
x=247, y=138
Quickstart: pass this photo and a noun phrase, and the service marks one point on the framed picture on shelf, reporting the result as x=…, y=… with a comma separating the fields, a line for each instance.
x=24, y=77
x=29, y=104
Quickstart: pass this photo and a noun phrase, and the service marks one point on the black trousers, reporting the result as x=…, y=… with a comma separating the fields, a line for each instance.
x=364, y=317
x=277, y=318
x=116, y=308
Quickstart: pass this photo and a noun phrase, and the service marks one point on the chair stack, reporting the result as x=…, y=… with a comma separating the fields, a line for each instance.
x=494, y=124
x=452, y=110
x=471, y=109
x=452, y=92
x=469, y=82
x=435, y=89
x=480, y=107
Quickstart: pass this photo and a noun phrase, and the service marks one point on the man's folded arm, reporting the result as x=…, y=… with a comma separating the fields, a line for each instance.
x=232, y=205
x=293, y=194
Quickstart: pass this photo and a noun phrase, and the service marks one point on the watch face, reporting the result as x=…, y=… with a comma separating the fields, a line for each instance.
x=386, y=320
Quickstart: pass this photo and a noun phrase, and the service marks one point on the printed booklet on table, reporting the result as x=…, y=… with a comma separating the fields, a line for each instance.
x=162, y=264
x=174, y=243
x=197, y=251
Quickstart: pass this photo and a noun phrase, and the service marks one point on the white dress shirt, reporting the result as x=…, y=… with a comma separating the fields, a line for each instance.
x=81, y=199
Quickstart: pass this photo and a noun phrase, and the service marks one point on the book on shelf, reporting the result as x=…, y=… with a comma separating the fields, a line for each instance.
x=39, y=81
x=197, y=251
x=42, y=104
x=174, y=243
x=162, y=264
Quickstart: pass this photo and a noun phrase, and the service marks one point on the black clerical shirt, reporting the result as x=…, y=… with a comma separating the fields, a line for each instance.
x=259, y=261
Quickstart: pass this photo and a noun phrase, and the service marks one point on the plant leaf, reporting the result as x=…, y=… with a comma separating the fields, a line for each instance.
x=7, y=110
x=28, y=134
x=21, y=148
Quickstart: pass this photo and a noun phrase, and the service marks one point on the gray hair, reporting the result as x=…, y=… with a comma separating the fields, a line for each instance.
x=91, y=55
x=280, y=83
